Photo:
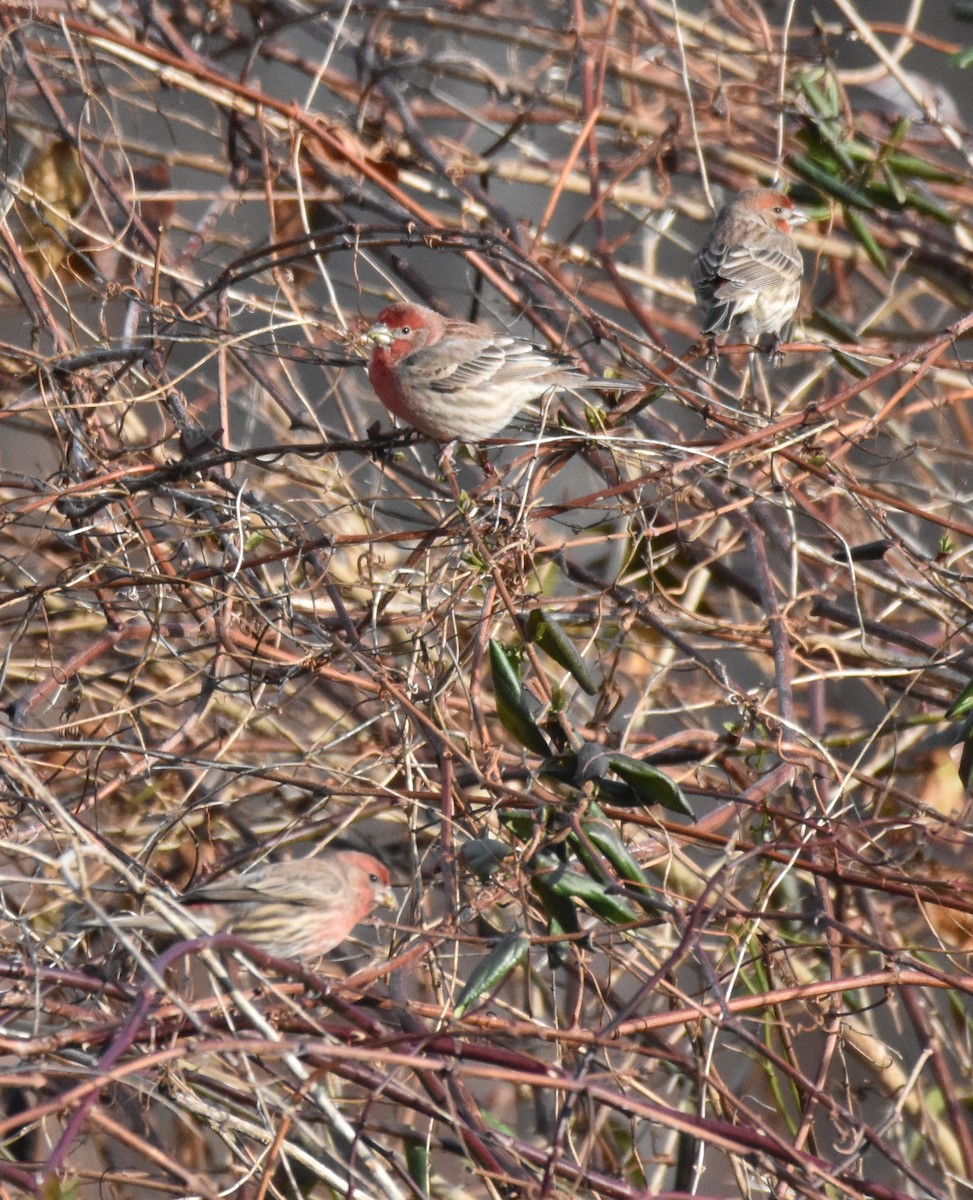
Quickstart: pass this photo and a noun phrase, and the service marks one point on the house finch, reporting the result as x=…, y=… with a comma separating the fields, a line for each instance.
x=451, y=379
x=297, y=909
x=750, y=266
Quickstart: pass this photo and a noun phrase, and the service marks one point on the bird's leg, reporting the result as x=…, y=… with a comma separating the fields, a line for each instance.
x=712, y=356
x=774, y=355
x=489, y=470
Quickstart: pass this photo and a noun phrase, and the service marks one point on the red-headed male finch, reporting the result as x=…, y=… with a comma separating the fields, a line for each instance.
x=749, y=269
x=301, y=908
x=455, y=380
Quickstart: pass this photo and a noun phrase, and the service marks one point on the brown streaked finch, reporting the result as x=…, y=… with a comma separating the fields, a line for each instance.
x=301, y=908
x=750, y=268
x=455, y=380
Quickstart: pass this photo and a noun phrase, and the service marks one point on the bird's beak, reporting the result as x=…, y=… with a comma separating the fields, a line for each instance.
x=380, y=335
x=798, y=216
x=385, y=898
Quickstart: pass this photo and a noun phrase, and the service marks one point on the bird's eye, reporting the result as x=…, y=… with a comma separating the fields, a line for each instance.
x=373, y=878
x=405, y=330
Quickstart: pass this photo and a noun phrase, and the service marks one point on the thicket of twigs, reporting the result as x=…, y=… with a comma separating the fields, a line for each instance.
x=657, y=716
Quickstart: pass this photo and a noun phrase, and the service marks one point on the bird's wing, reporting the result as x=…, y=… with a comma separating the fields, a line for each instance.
x=452, y=363
x=760, y=264
x=704, y=273
x=223, y=891
x=461, y=363
x=274, y=882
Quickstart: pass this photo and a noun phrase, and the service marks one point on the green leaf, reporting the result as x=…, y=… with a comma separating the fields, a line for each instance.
x=966, y=758
x=962, y=58
x=60, y=1188
x=491, y=971
x=917, y=168
x=569, y=768
x=561, y=881
x=833, y=324
x=417, y=1164
x=900, y=198
x=859, y=228
x=897, y=190
x=520, y=824
x=650, y=785
x=824, y=106
x=484, y=855
x=851, y=365
x=827, y=183
x=605, y=838
x=896, y=136
x=649, y=397
x=560, y=908
x=552, y=640
x=831, y=136
x=962, y=704
x=492, y=1121
x=929, y=207
x=515, y=716
x=595, y=418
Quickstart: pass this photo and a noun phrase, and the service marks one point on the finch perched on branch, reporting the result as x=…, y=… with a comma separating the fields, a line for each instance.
x=749, y=269
x=452, y=379
x=297, y=909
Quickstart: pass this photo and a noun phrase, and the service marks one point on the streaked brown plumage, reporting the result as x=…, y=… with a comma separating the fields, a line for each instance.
x=452, y=379
x=297, y=909
x=750, y=268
